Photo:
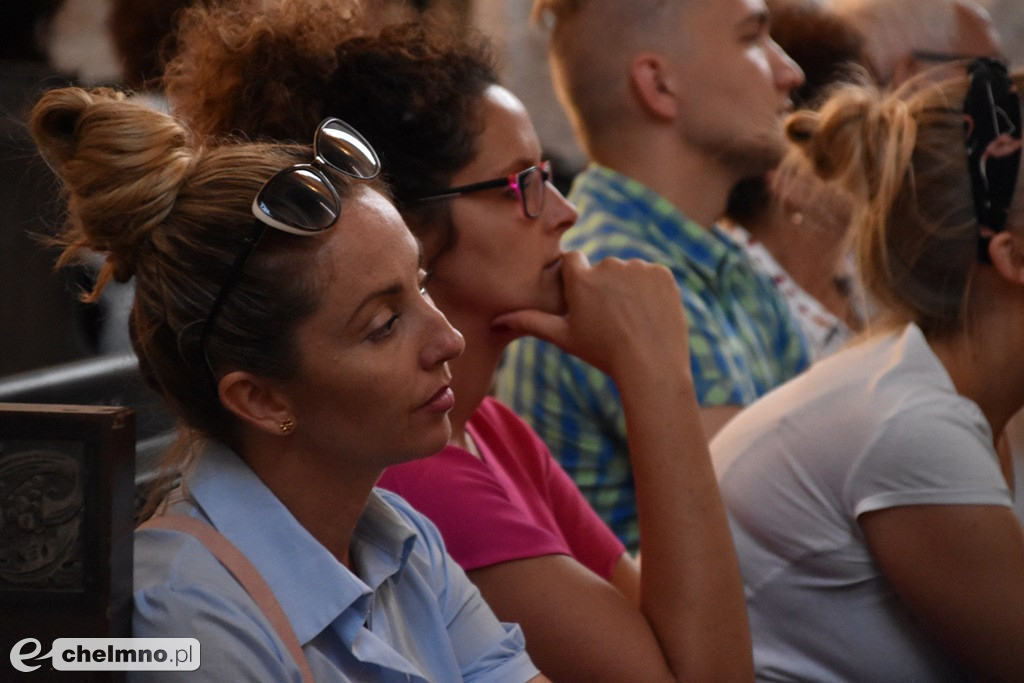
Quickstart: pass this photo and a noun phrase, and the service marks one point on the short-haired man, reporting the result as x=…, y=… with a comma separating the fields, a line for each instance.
x=674, y=101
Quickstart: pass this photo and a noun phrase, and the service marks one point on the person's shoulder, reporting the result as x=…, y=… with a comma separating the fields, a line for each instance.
x=175, y=560
x=237, y=641
x=909, y=377
x=493, y=413
x=505, y=433
x=179, y=583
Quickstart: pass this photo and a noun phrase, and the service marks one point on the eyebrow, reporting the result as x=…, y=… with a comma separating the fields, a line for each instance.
x=759, y=19
x=383, y=293
x=522, y=165
x=516, y=166
x=391, y=290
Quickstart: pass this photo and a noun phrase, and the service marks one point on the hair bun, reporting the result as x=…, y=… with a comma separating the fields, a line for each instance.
x=121, y=163
x=859, y=139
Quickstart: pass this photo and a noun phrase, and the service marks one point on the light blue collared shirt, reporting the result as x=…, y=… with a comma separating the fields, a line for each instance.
x=410, y=614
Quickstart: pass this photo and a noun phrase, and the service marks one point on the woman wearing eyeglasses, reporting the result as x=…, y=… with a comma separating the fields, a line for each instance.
x=279, y=310
x=871, y=510
x=467, y=172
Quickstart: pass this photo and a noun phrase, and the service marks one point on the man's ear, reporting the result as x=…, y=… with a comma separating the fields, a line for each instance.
x=255, y=401
x=654, y=86
x=1007, y=253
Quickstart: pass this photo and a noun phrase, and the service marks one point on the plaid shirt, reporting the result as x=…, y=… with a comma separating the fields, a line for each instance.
x=743, y=340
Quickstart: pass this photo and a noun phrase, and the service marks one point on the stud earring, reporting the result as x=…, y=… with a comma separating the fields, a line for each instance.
x=286, y=425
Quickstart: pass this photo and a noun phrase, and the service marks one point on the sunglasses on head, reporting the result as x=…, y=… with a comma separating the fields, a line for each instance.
x=992, y=136
x=529, y=186
x=300, y=200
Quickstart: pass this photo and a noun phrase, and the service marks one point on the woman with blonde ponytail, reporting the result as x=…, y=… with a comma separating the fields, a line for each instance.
x=871, y=509
x=279, y=309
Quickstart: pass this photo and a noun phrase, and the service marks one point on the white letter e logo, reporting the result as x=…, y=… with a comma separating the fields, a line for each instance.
x=17, y=656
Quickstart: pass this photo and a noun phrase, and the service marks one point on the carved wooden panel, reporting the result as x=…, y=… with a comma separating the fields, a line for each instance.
x=66, y=520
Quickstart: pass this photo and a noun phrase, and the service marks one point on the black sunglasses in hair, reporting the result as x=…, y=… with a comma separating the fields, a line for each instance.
x=300, y=200
x=992, y=135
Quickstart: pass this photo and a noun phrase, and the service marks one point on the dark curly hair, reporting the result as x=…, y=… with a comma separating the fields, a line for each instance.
x=142, y=32
x=415, y=94
x=242, y=69
x=412, y=89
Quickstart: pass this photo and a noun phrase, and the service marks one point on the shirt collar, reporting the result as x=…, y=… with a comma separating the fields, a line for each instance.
x=315, y=591
x=654, y=219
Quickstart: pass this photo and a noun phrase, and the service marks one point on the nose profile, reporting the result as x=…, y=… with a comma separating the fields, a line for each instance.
x=560, y=214
x=444, y=342
x=788, y=74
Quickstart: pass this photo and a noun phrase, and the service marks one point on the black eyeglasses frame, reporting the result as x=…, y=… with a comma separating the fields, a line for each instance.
x=514, y=181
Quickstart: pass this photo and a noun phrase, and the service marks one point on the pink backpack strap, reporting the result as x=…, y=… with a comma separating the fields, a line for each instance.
x=245, y=573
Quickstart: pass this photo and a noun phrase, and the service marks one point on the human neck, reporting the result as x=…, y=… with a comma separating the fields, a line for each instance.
x=473, y=371
x=696, y=185
x=790, y=242
x=985, y=368
x=325, y=500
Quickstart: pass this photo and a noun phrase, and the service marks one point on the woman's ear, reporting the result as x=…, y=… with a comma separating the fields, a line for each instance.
x=255, y=401
x=654, y=86
x=1006, y=251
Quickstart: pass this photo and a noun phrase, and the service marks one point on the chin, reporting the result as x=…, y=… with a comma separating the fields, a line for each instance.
x=552, y=297
x=755, y=157
x=430, y=444
x=441, y=440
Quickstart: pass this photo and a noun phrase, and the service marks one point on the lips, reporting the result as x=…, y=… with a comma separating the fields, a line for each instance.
x=553, y=263
x=442, y=401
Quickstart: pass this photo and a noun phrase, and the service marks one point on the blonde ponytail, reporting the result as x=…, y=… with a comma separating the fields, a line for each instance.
x=901, y=156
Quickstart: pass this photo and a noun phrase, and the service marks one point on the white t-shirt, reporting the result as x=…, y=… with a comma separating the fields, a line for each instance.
x=876, y=425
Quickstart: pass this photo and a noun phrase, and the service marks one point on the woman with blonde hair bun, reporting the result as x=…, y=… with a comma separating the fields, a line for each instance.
x=279, y=309
x=871, y=510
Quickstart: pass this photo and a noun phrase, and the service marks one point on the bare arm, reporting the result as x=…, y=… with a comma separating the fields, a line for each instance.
x=714, y=418
x=626, y=319
x=578, y=626
x=960, y=569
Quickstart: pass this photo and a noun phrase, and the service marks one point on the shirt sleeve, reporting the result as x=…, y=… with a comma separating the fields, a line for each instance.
x=931, y=455
x=576, y=411
x=590, y=540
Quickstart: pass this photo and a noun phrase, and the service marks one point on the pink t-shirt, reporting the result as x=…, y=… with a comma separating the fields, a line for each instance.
x=514, y=504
